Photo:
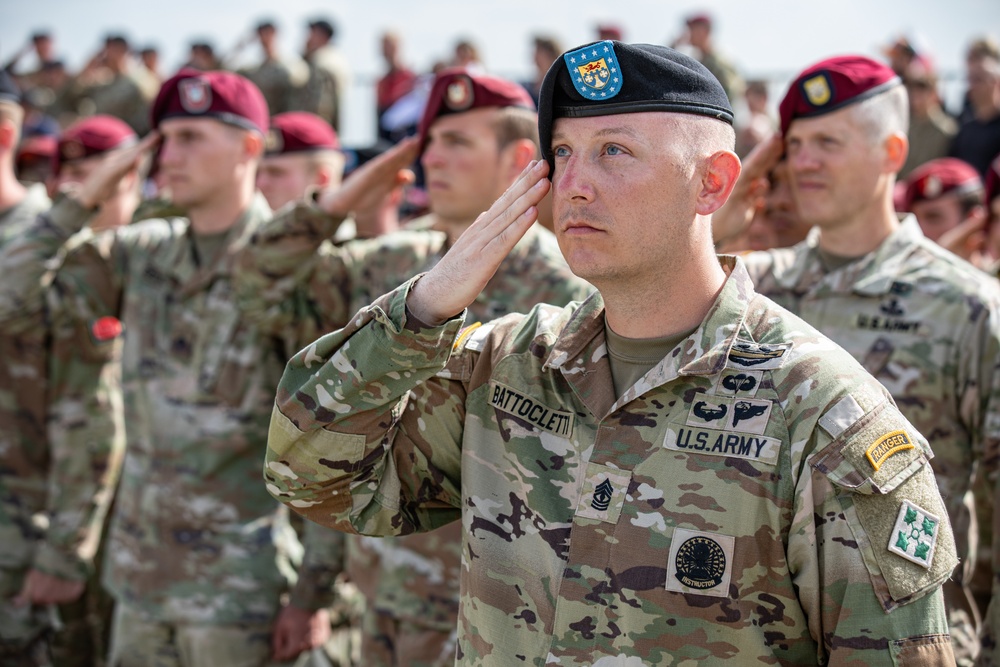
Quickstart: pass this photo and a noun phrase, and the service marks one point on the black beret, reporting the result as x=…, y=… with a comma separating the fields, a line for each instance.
x=9, y=92
x=609, y=77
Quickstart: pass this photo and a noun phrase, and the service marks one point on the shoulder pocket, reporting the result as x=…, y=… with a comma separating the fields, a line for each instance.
x=892, y=503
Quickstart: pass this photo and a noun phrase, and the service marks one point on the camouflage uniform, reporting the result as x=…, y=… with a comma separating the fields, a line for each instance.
x=191, y=540
x=411, y=585
x=280, y=81
x=126, y=96
x=23, y=454
x=925, y=324
x=723, y=506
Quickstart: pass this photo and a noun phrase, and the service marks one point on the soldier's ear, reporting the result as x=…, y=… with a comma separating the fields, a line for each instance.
x=253, y=144
x=521, y=151
x=721, y=170
x=897, y=147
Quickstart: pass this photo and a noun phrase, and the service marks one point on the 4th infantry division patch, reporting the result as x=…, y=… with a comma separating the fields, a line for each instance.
x=915, y=534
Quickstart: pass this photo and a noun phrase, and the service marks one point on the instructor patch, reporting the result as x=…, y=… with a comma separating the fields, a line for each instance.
x=700, y=563
x=529, y=410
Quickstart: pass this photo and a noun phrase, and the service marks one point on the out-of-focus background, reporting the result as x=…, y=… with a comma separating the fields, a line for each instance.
x=766, y=39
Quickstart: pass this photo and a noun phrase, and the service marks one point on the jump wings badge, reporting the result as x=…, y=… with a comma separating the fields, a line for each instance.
x=595, y=71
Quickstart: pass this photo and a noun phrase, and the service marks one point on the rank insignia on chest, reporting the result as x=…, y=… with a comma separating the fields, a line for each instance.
x=595, y=71
x=700, y=562
x=603, y=493
x=915, y=534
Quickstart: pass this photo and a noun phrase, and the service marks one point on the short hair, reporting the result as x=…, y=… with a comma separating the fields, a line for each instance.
x=549, y=44
x=884, y=114
x=514, y=123
x=983, y=47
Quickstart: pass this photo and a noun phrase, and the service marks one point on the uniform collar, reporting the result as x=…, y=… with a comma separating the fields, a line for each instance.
x=179, y=261
x=873, y=274
x=581, y=350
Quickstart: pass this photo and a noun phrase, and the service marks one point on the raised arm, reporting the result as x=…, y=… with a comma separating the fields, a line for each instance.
x=353, y=443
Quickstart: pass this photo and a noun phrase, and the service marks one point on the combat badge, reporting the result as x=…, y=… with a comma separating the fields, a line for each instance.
x=744, y=354
x=195, y=95
x=594, y=70
x=915, y=534
x=700, y=563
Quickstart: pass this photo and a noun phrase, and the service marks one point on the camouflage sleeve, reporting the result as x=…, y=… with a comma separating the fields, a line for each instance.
x=349, y=446
x=26, y=261
x=322, y=561
x=86, y=434
x=870, y=543
x=290, y=280
x=978, y=379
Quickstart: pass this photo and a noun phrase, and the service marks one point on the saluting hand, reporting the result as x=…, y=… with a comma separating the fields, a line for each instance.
x=463, y=272
x=366, y=188
x=737, y=213
x=101, y=184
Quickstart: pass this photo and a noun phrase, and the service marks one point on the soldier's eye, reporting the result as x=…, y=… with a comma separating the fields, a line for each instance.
x=560, y=151
x=613, y=149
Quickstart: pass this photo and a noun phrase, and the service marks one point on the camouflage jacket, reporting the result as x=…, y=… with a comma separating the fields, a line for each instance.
x=415, y=577
x=756, y=494
x=23, y=448
x=923, y=322
x=280, y=80
x=191, y=538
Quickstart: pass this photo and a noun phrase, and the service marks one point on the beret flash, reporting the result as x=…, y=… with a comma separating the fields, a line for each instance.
x=608, y=77
x=833, y=84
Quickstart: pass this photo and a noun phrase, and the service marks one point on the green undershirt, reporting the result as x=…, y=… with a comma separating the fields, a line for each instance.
x=632, y=358
x=833, y=262
x=207, y=247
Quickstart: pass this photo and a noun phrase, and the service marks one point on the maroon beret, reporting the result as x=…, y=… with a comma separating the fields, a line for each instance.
x=833, y=84
x=38, y=145
x=456, y=90
x=91, y=136
x=224, y=96
x=939, y=177
x=699, y=18
x=298, y=131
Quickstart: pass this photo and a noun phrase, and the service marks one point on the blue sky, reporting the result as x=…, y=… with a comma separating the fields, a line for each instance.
x=770, y=38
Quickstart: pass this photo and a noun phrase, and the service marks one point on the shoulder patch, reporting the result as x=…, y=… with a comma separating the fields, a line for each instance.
x=915, y=534
x=886, y=446
x=758, y=356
